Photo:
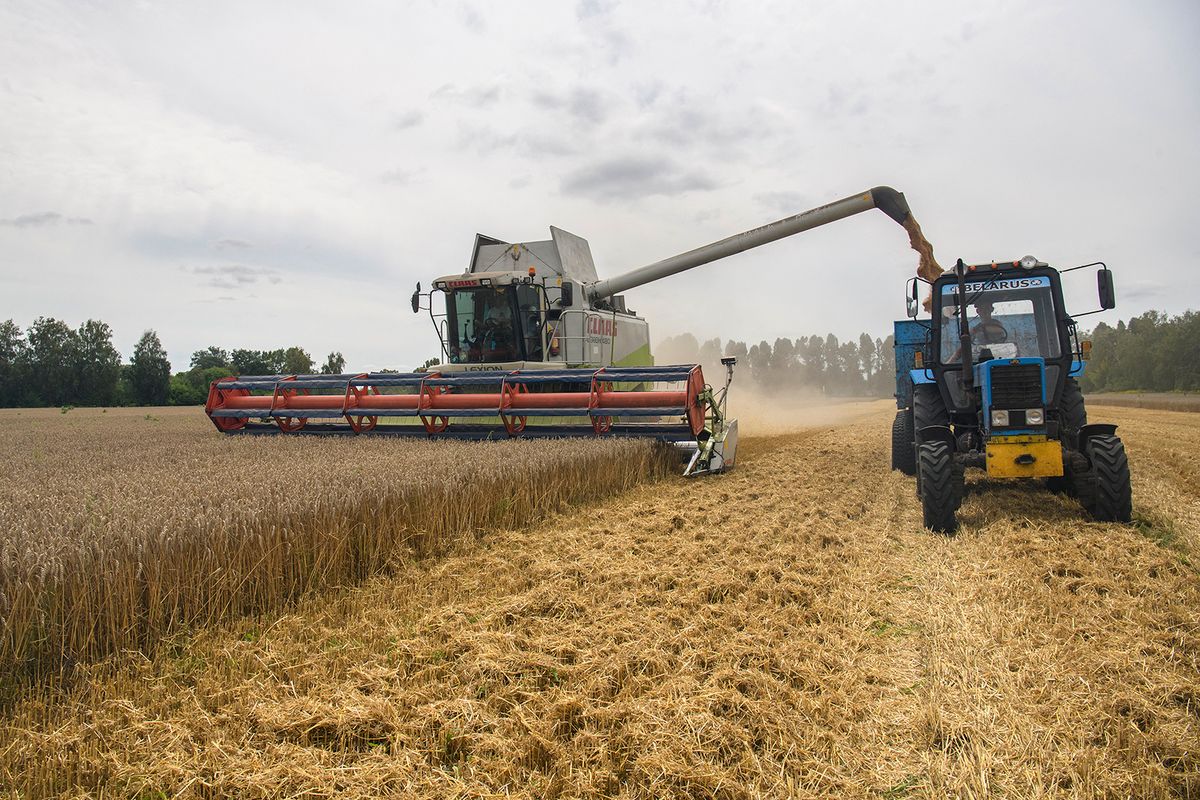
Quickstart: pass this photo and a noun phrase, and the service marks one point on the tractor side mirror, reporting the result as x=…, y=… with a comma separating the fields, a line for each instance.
x=416, y=298
x=912, y=305
x=567, y=295
x=1104, y=285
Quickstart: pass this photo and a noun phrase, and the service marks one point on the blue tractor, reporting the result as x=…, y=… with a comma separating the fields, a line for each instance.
x=989, y=382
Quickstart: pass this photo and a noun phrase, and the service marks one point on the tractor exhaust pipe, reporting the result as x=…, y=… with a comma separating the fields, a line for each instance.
x=885, y=198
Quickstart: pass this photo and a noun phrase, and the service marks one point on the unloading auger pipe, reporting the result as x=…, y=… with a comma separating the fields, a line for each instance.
x=885, y=198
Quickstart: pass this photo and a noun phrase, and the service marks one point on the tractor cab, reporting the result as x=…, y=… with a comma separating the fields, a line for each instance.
x=989, y=382
x=1003, y=330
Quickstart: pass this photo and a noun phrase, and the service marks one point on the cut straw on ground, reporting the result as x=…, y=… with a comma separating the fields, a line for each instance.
x=787, y=630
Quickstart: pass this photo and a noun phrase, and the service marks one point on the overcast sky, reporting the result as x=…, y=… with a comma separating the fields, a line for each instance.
x=262, y=175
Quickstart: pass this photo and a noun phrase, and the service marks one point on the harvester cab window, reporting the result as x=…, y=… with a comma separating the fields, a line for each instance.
x=1004, y=322
x=532, y=315
x=482, y=326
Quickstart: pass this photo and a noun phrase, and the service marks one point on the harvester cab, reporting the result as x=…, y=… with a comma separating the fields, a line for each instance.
x=990, y=382
x=523, y=306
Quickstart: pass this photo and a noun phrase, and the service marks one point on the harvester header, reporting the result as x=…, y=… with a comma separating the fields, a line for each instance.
x=567, y=402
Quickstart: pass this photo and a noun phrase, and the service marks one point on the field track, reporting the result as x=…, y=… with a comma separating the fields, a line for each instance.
x=787, y=630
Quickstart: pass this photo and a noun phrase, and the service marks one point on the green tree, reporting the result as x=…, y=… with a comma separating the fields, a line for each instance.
x=852, y=380
x=866, y=356
x=250, y=362
x=782, y=364
x=883, y=381
x=210, y=357
x=759, y=362
x=150, y=371
x=334, y=364
x=97, y=365
x=681, y=349
x=182, y=391
x=297, y=361
x=51, y=359
x=12, y=364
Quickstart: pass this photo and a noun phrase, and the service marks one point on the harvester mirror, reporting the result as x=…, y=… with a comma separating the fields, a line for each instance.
x=912, y=305
x=1108, y=295
x=416, y=298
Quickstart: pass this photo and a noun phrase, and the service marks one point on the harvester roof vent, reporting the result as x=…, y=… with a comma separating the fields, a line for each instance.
x=563, y=254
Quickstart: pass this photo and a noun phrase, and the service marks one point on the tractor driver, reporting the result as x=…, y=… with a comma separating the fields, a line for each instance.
x=987, y=330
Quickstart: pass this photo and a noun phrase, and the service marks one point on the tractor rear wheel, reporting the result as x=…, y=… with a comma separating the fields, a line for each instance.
x=928, y=408
x=941, y=486
x=1111, y=498
x=904, y=454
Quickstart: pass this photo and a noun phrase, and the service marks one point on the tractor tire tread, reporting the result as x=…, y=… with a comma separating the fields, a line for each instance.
x=1072, y=413
x=904, y=454
x=941, y=480
x=928, y=408
x=1112, y=499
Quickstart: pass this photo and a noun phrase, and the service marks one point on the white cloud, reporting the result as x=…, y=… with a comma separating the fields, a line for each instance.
x=312, y=164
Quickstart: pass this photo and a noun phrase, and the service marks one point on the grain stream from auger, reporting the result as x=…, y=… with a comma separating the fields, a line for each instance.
x=787, y=630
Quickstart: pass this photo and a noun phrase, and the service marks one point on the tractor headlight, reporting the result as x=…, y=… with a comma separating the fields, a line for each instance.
x=1028, y=262
x=1034, y=416
x=999, y=418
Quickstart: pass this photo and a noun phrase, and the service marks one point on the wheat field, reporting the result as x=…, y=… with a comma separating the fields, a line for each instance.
x=122, y=527
x=787, y=630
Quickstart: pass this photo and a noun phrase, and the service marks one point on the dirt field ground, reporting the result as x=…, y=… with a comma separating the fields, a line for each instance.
x=787, y=630
x=1164, y=401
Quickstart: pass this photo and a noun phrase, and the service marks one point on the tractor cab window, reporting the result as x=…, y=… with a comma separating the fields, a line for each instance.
x=482, y=325
x=1007, y=318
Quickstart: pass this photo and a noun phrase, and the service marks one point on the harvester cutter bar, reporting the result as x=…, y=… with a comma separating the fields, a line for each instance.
x=664, y=433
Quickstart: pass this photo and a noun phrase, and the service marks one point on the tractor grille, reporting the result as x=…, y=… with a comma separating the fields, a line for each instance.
x=1016, y=386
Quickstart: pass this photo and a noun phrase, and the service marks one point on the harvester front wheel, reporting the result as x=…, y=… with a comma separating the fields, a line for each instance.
x=941, y=486
x=904, y=454
x=1111, y=498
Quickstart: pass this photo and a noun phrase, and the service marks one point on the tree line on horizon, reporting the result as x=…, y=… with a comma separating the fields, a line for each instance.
x=1152, y=352
x=817, y=364
x=53, y=364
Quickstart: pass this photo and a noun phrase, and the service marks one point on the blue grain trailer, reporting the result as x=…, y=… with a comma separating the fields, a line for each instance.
x=988, y=382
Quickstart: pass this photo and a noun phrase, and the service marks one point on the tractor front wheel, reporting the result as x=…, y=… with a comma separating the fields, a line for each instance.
x=928, y=408
x=904, y=454
x=1109, y=497
x=940, y=481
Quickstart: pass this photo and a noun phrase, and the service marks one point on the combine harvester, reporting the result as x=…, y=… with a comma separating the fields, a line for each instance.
x=998, y=391
x=534, y=344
